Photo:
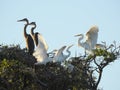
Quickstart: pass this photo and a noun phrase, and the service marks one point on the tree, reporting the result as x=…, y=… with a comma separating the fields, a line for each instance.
x=79, y=73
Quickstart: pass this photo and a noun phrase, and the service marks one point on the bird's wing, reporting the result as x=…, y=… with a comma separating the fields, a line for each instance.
x=60, y=51
x=41, y=46
x=40, y=52
x=59, y=54
x=42, y=41
x=92, y=36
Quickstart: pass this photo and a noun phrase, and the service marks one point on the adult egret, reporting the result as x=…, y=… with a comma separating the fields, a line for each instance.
x=41, y=53
x=91, y=39
x=85, y=44
x=37, y=36
x=28, y=38
x=59, y=56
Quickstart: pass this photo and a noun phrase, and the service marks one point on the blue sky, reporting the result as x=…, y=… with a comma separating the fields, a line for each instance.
x=59, y=20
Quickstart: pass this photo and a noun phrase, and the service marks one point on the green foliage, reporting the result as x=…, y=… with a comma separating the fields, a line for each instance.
x=59, y=78
x=16, y=76
x=13, y=52
x=17, y=70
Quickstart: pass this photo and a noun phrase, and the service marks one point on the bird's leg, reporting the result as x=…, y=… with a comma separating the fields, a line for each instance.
x=85, y=53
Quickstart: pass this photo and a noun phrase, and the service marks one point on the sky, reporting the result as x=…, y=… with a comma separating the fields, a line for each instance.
x=59, y=20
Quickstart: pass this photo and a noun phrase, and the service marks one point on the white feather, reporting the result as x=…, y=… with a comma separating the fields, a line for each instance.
x=91, y=39
x=41, y=51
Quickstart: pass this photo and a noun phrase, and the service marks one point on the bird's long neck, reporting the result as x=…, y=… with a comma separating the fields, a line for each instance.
x=79, y=40
x=32, y=31
x=25, y=33
x=69, y=53
x=34, y=36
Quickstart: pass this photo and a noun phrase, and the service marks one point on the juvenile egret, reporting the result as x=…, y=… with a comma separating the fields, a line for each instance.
x=37, y=36
x=59, y=56
x=69, y=53
x=28, y=38
x=91, y=39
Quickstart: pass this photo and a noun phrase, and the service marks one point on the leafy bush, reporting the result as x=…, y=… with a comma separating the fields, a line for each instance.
x=17, y=70
x=16, y=76
x=13, y=52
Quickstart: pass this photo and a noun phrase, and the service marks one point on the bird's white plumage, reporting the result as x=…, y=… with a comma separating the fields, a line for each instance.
x=91, y=39
x=92, y=36
x=41, y=51
x=42, y=42
x=59, y=56
x=85, y=44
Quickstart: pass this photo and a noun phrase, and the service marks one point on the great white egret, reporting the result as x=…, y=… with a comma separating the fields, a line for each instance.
x=41, y=46
x=59, y=56
x=28, y=38
x=91, y=39
x=85, y=44
x=41, y=52
x=37, y=36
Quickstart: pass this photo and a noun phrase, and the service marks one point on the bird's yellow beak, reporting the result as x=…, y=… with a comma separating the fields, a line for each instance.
x=62, y=48
x=70, y=46
x=77, y=35
x=19, y=20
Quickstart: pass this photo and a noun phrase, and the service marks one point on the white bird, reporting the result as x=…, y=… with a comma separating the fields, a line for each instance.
x=91, y=39
x=41, y=52
x=59, y=56
x=67, y=50
x=41, y=47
